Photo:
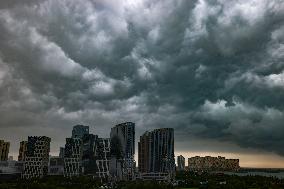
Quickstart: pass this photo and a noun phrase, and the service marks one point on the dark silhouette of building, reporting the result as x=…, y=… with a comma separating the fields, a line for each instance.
x=122, y=164
x=96, y=156
x=89, y=154
x=79, y=131
x=144, y=152
x=73, y=157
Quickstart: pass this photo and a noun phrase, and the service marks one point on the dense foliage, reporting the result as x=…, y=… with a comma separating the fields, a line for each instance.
x=206, y=180
x=54, y=182
x=146, y=185
x=184, y=180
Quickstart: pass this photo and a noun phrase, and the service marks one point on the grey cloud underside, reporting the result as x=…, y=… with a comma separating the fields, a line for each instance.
x=210, y=69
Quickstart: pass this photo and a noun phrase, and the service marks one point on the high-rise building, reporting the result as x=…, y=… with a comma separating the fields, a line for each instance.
x=180, y=163
x=144, y=152
x=79, y=131
x=156, y=152
x=4, y=150
x=73, y=157
x=89, y=154
x=22, y=150
x=96, y=156
x=37, y=157
x=122, y=164
x=103, y=158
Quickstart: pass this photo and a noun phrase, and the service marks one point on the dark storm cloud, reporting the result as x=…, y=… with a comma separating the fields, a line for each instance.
x=210, y=69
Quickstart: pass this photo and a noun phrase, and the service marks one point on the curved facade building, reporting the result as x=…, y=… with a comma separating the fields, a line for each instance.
x=156, y=152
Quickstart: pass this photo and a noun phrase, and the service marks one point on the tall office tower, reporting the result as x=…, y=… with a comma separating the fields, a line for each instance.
x=122, y=164
x=96, y=156
x=73, y=157
x=37, y=157
x=23, y=150
x=61, y=152
x=103, y=158
x=4, y=150
x=89, y=154
x=180, y=163
x=79, y=131
x=156, y=152
x=144, y=152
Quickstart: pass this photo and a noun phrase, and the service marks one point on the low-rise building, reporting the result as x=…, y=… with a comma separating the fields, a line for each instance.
x=209, y=163
x=154, y=176
x=10, y=170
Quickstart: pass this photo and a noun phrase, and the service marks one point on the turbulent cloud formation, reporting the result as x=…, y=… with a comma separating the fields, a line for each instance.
x=211, y=69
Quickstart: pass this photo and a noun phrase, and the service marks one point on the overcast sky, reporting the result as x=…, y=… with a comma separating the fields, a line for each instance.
x=211, y=69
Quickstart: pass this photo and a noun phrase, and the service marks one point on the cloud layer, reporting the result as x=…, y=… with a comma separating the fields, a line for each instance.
x=212, y=69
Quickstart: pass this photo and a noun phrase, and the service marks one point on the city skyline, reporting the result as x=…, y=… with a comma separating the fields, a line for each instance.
x=246, y=160
x=108, y=160
x=210, y=69
x=252, y=164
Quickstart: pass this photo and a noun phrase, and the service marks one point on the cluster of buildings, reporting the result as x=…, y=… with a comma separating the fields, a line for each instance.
x=209, y=163
x=7, y=165
x=103, y=158
x=107, y=159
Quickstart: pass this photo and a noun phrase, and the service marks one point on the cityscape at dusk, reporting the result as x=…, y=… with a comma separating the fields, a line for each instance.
x=110, y=158
x=186, y=91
